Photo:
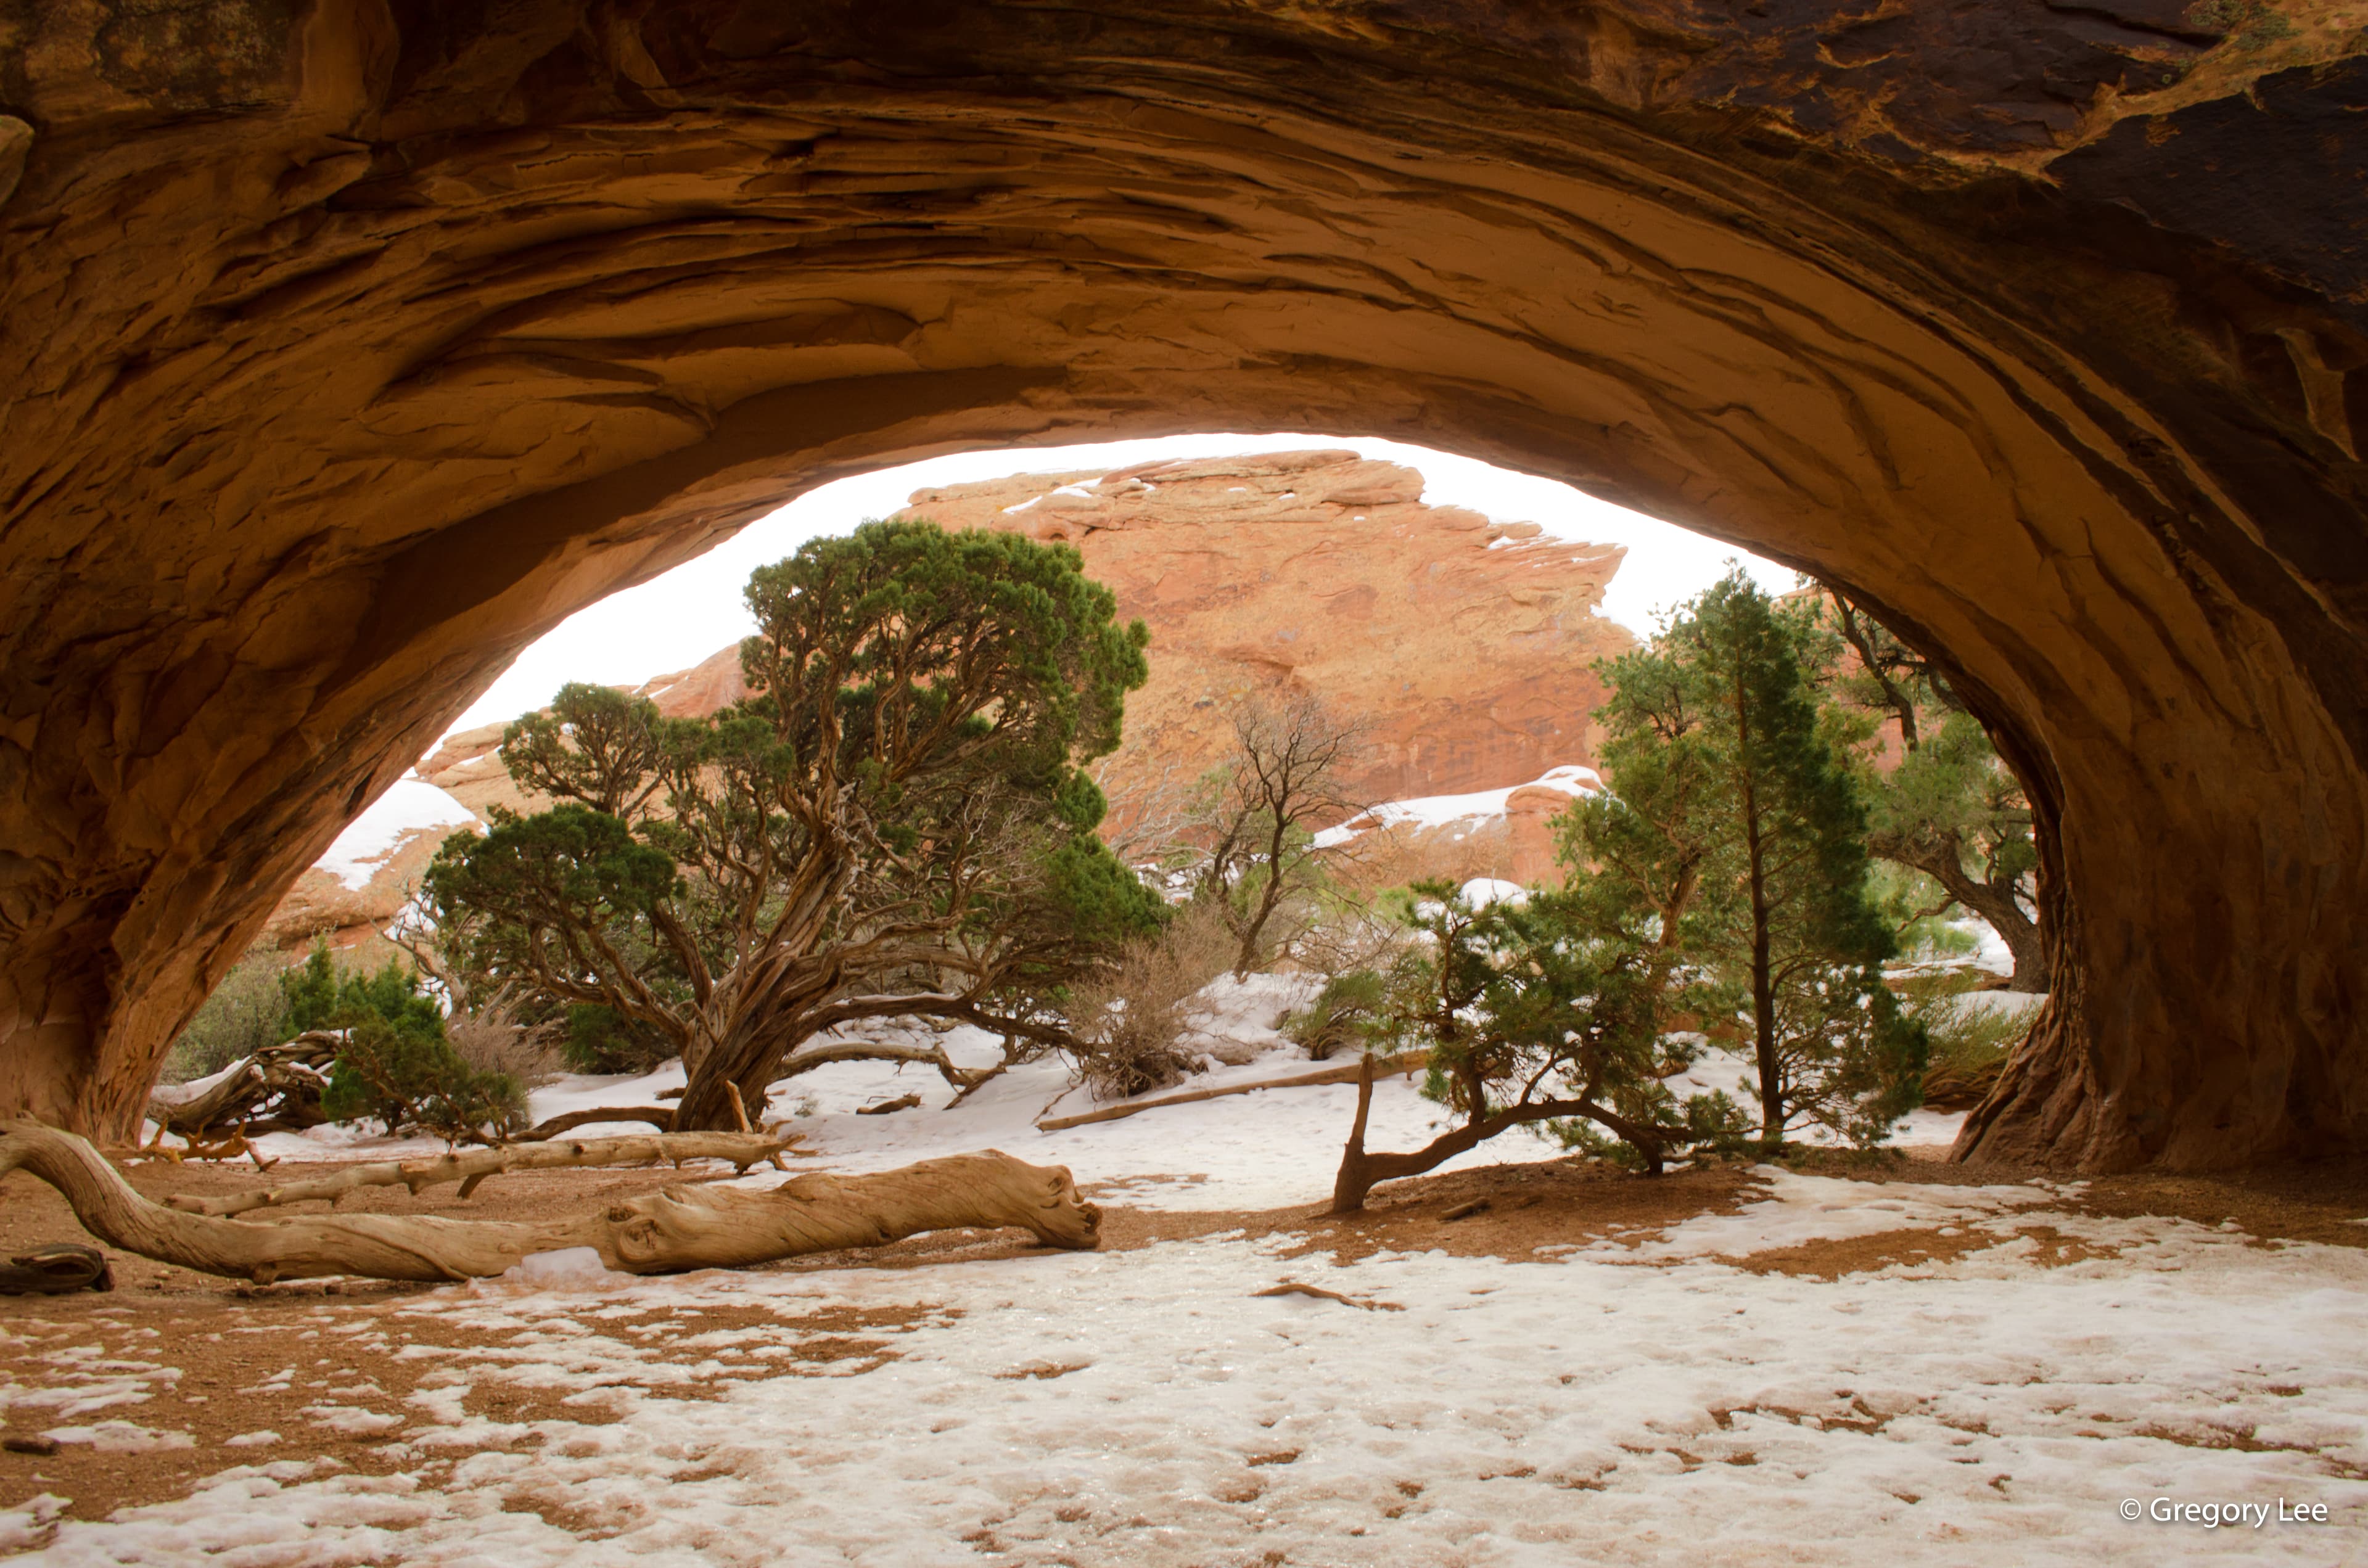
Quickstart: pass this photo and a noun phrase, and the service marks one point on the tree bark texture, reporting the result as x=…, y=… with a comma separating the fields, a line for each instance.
x=667, y=1232
x=284, y=1080
x=741, y=1150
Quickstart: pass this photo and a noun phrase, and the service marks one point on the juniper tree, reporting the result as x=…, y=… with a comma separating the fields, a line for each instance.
x=1746, y=804
x=893, y=823
x=1949, y=809
x=1547, y=1012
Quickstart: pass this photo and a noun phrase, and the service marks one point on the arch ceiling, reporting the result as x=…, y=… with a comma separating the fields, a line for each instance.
x=349, y=346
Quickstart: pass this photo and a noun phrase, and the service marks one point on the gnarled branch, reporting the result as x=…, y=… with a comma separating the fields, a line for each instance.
x=740, y=1149
x=675, y=1229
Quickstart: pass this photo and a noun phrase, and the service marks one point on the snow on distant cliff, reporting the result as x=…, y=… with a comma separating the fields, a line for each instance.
x=411, y=806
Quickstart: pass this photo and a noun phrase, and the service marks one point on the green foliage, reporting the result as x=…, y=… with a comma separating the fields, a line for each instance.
x=1969, y=1042
x=1350, y=1012
x=1948, y=808
x=395, y=1063
x=1734, y=841
x=600, y=1040
x=1916, y=907
x=409, y=1077
x=1546, y=1012
x=896, y=820
x=239, y=1017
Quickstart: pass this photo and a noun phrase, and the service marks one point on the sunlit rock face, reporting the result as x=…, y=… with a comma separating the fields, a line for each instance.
x=347, y=347
x=1462, y=649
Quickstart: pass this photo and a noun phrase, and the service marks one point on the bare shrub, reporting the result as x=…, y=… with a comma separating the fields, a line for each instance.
x=492, y=1039
x=1128, y=1019
x=1354, y=933
x=1259, y=815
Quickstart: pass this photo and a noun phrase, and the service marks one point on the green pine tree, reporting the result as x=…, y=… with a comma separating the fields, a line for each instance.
x=1735, y=821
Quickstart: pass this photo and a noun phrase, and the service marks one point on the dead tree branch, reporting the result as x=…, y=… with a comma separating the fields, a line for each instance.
x=281, y=1083
x=742, y=1149
x=662, y=1232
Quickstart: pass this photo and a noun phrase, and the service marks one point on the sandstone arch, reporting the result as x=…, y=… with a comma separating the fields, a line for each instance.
x=348, y=345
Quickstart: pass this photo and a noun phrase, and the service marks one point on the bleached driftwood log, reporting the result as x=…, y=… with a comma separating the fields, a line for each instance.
x=281, y=1083
x=661, y=1232
x=470, y=1168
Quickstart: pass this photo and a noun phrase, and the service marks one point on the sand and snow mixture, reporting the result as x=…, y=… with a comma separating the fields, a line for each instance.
x=1700, y=1391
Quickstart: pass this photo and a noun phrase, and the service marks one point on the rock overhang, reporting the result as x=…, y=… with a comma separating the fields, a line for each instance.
x=359, y=345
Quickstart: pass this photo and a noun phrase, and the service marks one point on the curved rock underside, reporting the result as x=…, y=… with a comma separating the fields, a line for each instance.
x=349, y=345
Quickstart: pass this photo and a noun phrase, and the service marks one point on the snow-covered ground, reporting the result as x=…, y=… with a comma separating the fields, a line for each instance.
x=2030, y=1372
x=1438, y=810
x=1596, y=1404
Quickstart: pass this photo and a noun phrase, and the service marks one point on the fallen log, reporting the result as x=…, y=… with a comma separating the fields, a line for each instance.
x=665, y=1231
x=280, y=1082
x=742, y=1149
x=657, y=1115
x=1344, y=1073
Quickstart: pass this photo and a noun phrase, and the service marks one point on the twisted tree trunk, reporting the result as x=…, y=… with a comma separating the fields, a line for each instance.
x=1361, y=1170
x=665, y=1231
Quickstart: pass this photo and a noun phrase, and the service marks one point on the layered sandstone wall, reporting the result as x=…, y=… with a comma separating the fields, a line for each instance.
x=1461, y=646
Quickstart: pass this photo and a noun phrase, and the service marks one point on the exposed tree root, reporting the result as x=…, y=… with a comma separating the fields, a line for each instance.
x=678, y=1228
x=742, y=1149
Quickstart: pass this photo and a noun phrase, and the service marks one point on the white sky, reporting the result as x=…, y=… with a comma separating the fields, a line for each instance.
x=673, y=621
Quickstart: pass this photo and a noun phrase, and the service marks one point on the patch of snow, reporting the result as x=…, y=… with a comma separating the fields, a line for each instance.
x=1010, y=511
x=1481, y=892
x=348, y=1422
x=1439, y=811
x=1604, y=1405
x=413, y=805
x=568, y=1268
x=1084, y=489
x=252, y=1439
x=120, y=1437
x=26, y=1526
x=182, y=1093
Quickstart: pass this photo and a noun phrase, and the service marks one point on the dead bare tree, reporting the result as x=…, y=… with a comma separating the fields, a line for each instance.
x=1286, y=777
x=1150, y=812
x=667, y=1232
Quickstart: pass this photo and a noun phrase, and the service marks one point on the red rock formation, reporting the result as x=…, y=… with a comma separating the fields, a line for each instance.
x=1461, y=645
x=345, y=347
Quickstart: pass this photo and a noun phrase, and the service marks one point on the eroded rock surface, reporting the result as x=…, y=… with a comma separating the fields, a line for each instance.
x=1461, y=647
x=349, y=346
